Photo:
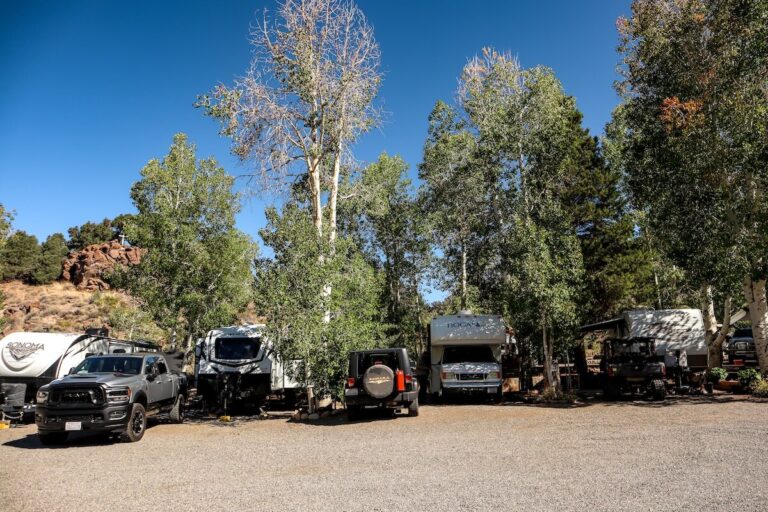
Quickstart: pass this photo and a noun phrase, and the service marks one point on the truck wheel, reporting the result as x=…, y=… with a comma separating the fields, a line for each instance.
x=137, y=424
x=179, y=410
x=53, y=438
x=413, y=408
x=659, y=390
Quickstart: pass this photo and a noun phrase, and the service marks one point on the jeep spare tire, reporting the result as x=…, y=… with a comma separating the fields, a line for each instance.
x=379, y=380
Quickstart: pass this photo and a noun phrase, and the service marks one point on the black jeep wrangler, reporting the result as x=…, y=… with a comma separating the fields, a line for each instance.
x=631, y=365
x=381, y=378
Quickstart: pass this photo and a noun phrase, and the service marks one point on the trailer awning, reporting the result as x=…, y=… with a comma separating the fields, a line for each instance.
x=602, y=326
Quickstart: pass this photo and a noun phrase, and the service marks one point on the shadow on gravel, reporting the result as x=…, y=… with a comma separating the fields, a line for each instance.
x=74, y=440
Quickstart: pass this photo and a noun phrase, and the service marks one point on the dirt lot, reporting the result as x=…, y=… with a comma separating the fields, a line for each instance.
x=688, y=454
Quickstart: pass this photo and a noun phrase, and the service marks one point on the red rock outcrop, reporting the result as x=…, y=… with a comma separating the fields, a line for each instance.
x=87, y=268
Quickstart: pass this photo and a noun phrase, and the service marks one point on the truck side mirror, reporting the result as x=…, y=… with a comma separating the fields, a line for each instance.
x=71, y=371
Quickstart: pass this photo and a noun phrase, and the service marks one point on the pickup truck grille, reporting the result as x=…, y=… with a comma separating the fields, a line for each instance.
x=471, y=376
x=79, y=396
x=88, y=418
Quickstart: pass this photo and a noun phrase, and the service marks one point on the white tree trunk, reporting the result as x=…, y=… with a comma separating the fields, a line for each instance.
x=548, y=346
x=754, y=292
x=463, y=276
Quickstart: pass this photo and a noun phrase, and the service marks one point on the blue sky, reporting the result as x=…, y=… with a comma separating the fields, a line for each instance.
x=92, y=90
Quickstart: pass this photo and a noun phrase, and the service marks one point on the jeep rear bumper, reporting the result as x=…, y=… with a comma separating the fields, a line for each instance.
x=106, y=419
x=355, y=398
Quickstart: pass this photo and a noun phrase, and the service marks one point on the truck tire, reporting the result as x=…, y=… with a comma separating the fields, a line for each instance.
x=137, y=424
x=379, y=381
x=53, y=438
x=658, y=390
x=179, y=409
x=413, y=408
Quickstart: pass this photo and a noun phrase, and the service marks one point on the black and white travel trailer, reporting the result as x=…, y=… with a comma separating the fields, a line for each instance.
x=236, y=365
x=29, y=360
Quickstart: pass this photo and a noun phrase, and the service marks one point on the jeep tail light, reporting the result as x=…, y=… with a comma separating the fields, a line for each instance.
x=400, y=380
x=408, y=379
x=610, y=371
x=663, y=370
x=350, y=382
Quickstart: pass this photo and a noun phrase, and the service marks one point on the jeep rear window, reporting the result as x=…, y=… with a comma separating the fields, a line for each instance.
x=387, y=359
x=472, y=354
x=231, y=347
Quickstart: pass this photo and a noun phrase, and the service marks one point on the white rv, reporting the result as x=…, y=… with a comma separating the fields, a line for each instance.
x=33, y=359
x=671, y=329
x=465, y=354
x=236, y=364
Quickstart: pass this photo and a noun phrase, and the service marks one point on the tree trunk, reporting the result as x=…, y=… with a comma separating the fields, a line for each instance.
x=463, y=276
x=710, y=321
x=754, y=292
x=548, y=345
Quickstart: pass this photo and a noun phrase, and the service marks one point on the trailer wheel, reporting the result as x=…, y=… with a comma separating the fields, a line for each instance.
x=53, y=438
x=178, y=412
x=137, y=424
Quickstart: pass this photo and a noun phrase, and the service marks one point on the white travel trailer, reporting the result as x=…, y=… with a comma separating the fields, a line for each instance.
x=236, y=364
x=33, y=359
x=672, y=330
x=465, y=354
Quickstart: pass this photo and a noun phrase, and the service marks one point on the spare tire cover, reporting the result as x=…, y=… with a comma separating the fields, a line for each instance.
x=379, y=380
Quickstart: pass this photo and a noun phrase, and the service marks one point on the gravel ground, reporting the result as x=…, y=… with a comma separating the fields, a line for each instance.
x=687, y=454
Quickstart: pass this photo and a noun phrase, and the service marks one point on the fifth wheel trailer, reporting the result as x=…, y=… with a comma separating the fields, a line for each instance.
x=237, y=364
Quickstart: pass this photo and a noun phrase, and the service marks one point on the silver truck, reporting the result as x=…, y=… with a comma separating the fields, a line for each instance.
x=111, y=393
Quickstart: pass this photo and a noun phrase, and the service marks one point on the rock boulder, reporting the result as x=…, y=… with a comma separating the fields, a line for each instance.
x=87, y=269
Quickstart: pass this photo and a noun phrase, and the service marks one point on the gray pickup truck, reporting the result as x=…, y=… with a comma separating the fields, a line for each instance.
x=111, y=393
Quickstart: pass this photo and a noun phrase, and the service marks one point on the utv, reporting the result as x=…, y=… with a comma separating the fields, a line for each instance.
x=381, y=378
x=632, y=366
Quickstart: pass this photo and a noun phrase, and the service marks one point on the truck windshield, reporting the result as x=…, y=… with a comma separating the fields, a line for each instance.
x=237, y=348
x=130, y=365
x=472, y=354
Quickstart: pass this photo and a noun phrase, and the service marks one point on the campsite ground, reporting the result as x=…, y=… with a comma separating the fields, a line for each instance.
x=694, y=453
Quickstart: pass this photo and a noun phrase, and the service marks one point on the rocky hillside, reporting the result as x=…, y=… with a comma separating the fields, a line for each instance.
x=87, y=268
x=59, y=306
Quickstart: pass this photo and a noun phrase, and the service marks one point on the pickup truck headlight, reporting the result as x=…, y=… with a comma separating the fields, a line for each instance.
x=42, y=396
x=120, y=395
x=493, y=376
x=448, y=376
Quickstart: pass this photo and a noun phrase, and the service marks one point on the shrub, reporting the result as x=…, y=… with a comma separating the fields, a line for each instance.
x=715, y=375
x=759, y=388
x=748, y=376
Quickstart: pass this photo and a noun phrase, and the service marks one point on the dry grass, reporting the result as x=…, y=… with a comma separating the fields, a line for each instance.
x=58, y=306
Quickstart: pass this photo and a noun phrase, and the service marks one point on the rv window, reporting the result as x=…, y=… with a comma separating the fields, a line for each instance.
x=230, y=347
x=470, y=354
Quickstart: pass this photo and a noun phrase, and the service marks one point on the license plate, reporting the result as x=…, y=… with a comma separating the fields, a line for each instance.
x=491, y=390
x=73, y=425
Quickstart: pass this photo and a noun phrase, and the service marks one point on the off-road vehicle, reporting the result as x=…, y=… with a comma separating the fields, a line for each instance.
x=381, y=378
x=111, y=393
x=632, y=366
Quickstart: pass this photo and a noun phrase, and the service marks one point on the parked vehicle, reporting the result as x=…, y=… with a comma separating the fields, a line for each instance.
x=110, y=393
x=381, y=378
x=29, y=360
x=740, y=348
x=674, y=331
x=464, y=353
x=633, y=366
x=236, y=365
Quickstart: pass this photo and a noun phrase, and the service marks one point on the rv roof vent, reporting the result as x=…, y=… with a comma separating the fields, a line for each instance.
x=465, y=312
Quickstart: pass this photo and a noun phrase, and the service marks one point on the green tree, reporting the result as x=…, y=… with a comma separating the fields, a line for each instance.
x=20, y=255
x=6, y=218
x=695, y=120
x=286, y=293
x=96, y=233
x=196, y=273
x=48, y=265
x=384, y=217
